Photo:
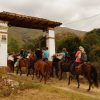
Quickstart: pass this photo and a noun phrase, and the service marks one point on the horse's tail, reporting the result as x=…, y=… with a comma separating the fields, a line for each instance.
x=95, y=76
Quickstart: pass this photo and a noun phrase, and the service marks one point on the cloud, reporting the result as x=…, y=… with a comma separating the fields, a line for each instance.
x=64, y=11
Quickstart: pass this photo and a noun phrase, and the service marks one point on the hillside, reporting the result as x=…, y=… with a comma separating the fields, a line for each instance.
x=63, y=32
x=24, y=35
x=65, y=29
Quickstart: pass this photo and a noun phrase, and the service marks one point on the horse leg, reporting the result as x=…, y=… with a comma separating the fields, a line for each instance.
x=69, y=78
x=33, y=74
x=56, y=71
x=36, y=73
x=17, y=70
x=60, y=75
x=52, y=74
x=28, y=72
x=45, y=79
x=90, y=83
x=20, y=71
x=77, y=78
x=41, y=76
x=13, y=68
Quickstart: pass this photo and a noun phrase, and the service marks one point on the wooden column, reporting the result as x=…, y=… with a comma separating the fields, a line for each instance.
x=3, y=43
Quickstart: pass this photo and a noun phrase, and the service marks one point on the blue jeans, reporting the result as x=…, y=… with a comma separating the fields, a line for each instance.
x=73, y=67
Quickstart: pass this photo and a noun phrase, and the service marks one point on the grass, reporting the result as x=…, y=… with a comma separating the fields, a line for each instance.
x=34, y=90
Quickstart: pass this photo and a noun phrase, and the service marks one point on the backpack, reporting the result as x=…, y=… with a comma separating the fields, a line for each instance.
x=83, y=57
x=67, y=55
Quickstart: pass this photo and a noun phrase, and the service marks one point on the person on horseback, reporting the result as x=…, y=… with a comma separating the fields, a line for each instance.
x=83, y=56
x=65, y=56
x=23, y=53
x=38, y=54
x=45, y=54
x=78, y=59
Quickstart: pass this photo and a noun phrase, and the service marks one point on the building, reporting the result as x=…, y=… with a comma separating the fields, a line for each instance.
x=8, y=19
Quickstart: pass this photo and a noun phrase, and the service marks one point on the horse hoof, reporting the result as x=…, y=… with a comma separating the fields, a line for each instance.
x=32, y=78
x=59, y=78
x=68, y=84
x=88, y=90
x=78, y=87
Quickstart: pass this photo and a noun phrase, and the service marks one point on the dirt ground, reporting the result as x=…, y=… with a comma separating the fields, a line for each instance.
x=56, y=90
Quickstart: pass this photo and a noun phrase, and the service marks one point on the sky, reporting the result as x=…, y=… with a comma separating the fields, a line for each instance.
x=77, y=14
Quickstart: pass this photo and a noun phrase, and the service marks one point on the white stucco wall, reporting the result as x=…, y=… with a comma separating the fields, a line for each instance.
x=3, y=54
x=3, y=43
x=50, y=43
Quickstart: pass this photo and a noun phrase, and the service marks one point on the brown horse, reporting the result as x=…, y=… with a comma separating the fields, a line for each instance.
x=11, y=61
x=31, y=60
x=23, y=62
x=88, y=71
x=10, y=64
x=49, y=63
x=43, y=68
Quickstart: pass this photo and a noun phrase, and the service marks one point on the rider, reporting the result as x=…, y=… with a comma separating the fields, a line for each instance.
x=78, y=58
x=45, y=54
x=38, y=54
x=83, y=56
x=23, y=53
x=65, y=56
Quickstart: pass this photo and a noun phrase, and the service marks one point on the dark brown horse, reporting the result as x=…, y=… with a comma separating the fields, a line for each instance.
x=65, y=67
x=55, y=64
x=88, y=71
x=43, y=68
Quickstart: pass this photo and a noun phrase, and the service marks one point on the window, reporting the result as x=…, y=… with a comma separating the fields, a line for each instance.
x=3, y=38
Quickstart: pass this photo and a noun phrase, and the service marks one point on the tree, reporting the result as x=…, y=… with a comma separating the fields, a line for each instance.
x=13, y=45
x=91, y=43
x=71, y=43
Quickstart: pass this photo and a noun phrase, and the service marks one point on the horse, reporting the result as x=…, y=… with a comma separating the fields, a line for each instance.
x=10, y=64
x=50, y=67
x=22, y=62
x=43, y=68
x=11, y=61
x=31, y=61
x=55, y=64
x=65, y=67
x=88, y=71
x=61, y=65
